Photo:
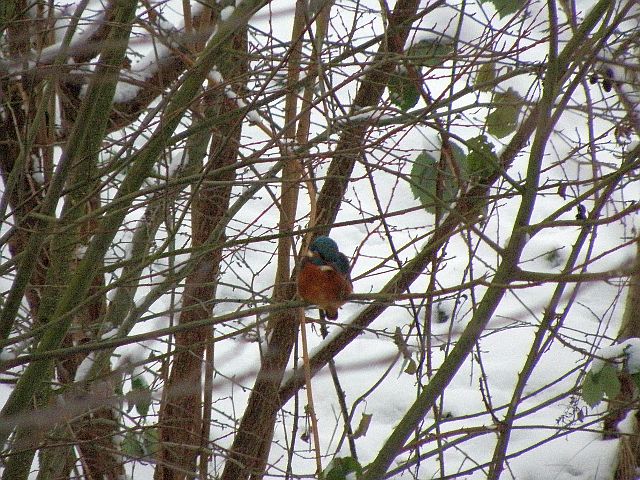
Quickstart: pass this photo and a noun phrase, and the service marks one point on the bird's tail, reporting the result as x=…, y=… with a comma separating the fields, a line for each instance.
x=331, y=313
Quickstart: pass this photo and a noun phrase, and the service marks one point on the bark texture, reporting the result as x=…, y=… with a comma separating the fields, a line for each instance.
x=181, y=416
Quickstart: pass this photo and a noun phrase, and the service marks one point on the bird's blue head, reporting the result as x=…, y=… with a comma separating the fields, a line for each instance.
x=326, y=251
x=342, y=264
x=325, y=247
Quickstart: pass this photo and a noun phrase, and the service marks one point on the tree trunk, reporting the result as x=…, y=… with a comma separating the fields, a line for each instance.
x=180, y=420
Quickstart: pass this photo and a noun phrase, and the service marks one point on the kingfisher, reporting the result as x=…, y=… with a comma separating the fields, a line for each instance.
x=323, y=278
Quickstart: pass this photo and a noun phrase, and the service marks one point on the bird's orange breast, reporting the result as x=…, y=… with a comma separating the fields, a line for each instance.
x=323, y=287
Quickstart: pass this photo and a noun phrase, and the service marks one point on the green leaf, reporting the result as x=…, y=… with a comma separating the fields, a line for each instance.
x=636, y=379
x=592, y=392
x=608, y=380
x=151, y=441
x=142, y=395
x=603, y=382
x=503, y=120
x=411, y=368
x=424, y=174
x=486, y=73
x=402, y=90
x=363, y=426
x=423, y=182
x=506, y=7
x=402, y=86
x=131, y=445
x=340, y=467
x=429, y=53
x=482, y=161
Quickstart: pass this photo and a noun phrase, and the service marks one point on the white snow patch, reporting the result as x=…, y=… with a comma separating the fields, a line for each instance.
x=109, y=334
x=140, y=73
x=629, y=349
x=79, y=40
x=226, y=13
x=85, y=368
x=363, y=114
x=80, y=251
x=6, y=355
x=228, y=91
x=254, y=116
x=628, y=425
x=38, y=177
x=216, y=75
